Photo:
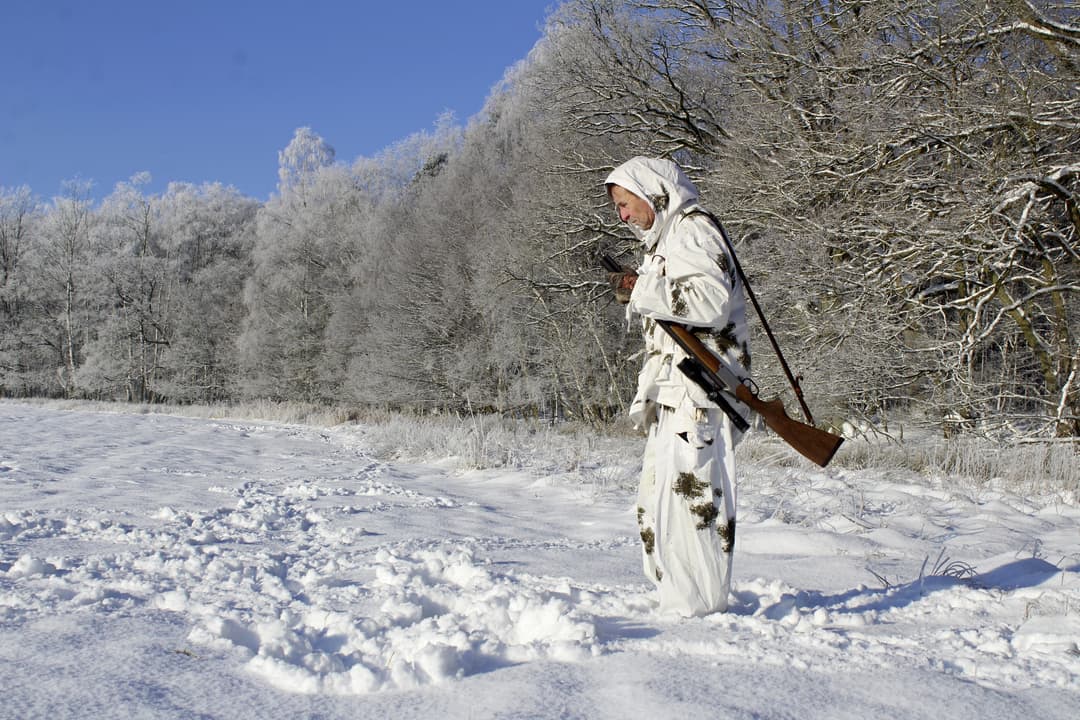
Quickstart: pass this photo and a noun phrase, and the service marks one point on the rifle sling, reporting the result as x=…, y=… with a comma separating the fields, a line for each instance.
x=792, y=378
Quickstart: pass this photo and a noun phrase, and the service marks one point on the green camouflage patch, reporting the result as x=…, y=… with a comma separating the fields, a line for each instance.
x=689, y=486
x=726, y=337
x=719, y=341
x=648, y=540
x=727, y=535
x=723, y=263
x=744, y=356
x=648, y=537
x=678, y=302
x=706, y=513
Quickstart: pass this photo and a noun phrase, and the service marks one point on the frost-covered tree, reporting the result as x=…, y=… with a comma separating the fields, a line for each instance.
x=302, y=158
x=209, y=232
x=304, y=247
x=163, y=293
x=19, y=214
x=410, y=307
x=134, y=285
x=60, y=260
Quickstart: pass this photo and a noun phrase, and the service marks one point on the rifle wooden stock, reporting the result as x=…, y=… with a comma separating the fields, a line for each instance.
x=814, y=444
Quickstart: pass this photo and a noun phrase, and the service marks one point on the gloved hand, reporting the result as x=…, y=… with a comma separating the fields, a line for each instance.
x=622, y=283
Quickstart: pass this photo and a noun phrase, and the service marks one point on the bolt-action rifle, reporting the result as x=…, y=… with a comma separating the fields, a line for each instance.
x=719, y=383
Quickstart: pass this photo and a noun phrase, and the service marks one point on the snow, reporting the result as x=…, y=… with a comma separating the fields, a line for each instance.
x=169, y=567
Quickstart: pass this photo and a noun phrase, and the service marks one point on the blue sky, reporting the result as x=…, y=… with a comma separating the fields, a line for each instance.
x=211, y=90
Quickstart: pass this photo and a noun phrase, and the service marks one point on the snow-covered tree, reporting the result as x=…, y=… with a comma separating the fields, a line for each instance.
x=209, y=232
x=134, y=283
x=19, y=216
x=61, y=259
x=306, y=241
x=299, y=162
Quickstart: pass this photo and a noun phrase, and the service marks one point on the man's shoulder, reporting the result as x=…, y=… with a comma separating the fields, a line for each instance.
x=698, y=223
x=698, y=217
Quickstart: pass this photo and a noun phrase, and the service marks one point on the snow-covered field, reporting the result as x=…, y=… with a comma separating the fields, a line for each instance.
x=166, y=567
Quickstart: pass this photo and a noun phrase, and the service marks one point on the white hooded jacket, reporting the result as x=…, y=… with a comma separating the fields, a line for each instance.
x=687, y=276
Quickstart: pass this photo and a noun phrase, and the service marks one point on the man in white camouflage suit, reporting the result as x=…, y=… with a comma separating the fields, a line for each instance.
x=686, y=498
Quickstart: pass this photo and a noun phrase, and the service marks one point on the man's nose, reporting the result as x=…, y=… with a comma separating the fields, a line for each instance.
x=624, y=214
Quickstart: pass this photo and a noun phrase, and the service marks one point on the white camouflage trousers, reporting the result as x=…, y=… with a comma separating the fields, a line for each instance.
x=686, y=509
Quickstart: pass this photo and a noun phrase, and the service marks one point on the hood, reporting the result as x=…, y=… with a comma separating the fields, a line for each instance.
x=662, y=184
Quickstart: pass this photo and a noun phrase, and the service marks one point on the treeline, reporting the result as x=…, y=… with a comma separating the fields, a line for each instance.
x=901, y=178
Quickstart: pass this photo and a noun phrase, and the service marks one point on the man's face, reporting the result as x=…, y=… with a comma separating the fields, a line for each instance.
x=631, y=208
